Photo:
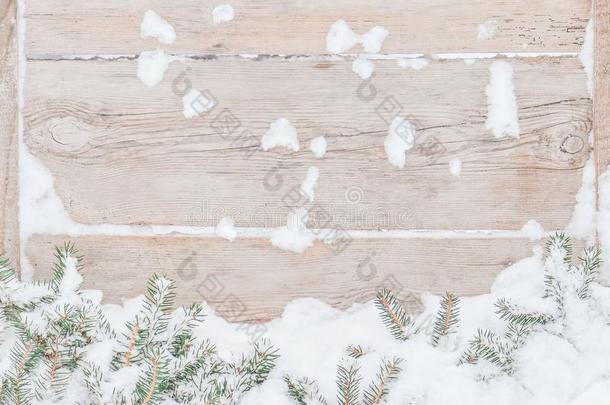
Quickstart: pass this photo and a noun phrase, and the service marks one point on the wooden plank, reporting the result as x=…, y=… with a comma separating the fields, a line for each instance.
x=601, y=116
x=250, y=280
x=9, y=204
x=101, y=132
x=66, y=27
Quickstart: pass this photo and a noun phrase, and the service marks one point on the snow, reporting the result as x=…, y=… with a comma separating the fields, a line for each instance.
x=502, y=110
x=311, y=182
x=487, y=30
x=363, y=68
x=587, y=53
x=413, y=63
x=373, y=40
x=281, y=133
x=533, y=230
x=294, y=237
x=582, y=223
x=223, y=13
x=341, y=38
x=455, y=167
x=226, y=229
x=318, y=146
x=155, y=26
x=400, y=138
x=152, y=66
x=72, y=279
x=194, y=104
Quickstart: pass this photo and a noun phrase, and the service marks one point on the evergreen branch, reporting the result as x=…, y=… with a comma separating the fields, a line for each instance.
x=304, y=391
x=378, y=390
x=560, y=244
x=355, y=351
x=348, y=385
x=393, y=315
x=62, y=256
x=446, y=318
x=590, y=263
x=515, y=315
x=488, y=346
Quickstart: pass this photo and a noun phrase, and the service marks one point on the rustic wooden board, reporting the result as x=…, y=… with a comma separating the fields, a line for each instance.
x=123, y=153
x=9, y=226
x=250, y=280
x=602, y=85
x=66, y=27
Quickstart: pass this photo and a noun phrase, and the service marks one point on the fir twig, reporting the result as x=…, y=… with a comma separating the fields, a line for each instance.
x=393, y=315
x=447, y=317
x=378, y=389
x=348, y=385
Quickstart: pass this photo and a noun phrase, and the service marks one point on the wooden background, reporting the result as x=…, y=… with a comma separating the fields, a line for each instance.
x=123, y=154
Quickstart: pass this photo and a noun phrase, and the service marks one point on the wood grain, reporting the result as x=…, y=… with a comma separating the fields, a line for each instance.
x=122, y=153
x=9, y=226
x=66, y=27
x=601, y=109
x=250, y=280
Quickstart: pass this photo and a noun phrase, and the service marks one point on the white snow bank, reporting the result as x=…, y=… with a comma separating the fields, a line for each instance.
x=281, y=133
x=156, y=27
x=152, y=66
x=226, y=229
x=455, y=167
x=363, y=68
x=582, y=223
x=340, y=38
x=311, y=182
x=502, y=110
x=486, y=30
x=194, y=104
x=532, y=230
x=294, y=237
x=400, y=138
x=318, y=146
x=223, y=13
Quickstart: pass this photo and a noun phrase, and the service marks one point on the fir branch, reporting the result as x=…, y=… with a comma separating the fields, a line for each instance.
x=560, y=244
x=255, y=369
x=348, y=385
x=378, y=390
x=447, y=317
x=488, y=346
x=304, y=391
x=589, y=268
x=62, y=256
x=515, y=315
x=355, y=351
x=393, y=315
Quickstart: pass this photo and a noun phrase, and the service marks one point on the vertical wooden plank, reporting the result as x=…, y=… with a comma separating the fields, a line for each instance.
x=9, y=222
x=601, y=102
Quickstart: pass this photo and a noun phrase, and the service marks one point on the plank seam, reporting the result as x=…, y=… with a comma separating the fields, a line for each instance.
x=320, y=58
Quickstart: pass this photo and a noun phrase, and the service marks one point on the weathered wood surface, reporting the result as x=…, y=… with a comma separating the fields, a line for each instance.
x=9, y=226
x=249, y=280
x=602, y=85
x=68, y=27
x=123, y=153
